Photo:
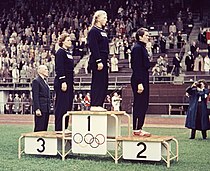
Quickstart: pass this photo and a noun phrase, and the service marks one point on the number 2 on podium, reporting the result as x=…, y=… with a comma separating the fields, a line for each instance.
x=143, y=150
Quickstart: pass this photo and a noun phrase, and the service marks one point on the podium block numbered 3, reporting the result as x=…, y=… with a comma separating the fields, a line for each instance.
x=40, y=145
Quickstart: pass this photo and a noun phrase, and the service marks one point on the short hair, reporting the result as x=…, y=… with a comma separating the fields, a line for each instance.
x=41, y=68
x=204, y=82
x=62, y=38
x=140, y=32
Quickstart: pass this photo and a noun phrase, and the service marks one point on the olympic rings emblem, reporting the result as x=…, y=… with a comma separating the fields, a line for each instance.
x=89, y=139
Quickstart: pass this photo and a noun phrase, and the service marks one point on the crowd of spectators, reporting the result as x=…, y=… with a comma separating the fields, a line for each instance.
x=161, y=67
x=29, y=30
x=82, y=101
x=18, y=104
x=21, y=103
x=197, y=60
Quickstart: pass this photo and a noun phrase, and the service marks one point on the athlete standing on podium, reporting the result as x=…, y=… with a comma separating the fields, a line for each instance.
x=98, y=62
x=140, y=81
x=63, y=83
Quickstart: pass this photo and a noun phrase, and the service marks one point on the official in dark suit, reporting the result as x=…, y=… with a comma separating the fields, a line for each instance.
x=41, y=99
x=64, y=79
x=189, y=61
x=176, y=64
x=140, y=81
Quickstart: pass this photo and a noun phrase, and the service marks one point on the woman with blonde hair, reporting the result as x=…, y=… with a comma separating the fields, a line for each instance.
x=98, y=62
x=63, y=83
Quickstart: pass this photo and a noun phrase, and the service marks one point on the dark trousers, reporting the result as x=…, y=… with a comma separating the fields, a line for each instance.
x=63, y=103
x=41, y=122
x=193, y=132
x=140, y=106
x=99, y=86
x=176, y=71
x=198, y=125
x=171, y=46
x=189, y=67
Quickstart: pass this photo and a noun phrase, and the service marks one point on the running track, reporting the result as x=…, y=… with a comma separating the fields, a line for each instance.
x=176, y=121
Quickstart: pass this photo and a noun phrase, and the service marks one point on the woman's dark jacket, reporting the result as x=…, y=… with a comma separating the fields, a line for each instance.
x=192, y=119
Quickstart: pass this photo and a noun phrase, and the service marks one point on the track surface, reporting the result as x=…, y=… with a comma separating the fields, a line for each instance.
x=176, y=121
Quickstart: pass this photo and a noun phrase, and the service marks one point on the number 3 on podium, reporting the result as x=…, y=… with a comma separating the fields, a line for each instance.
x=40, y=150
x=41, y=145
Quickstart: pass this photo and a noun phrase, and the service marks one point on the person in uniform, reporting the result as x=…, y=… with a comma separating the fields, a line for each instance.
x=63, y=83
x=98, y=62
x=140, y=81
x=41, y=99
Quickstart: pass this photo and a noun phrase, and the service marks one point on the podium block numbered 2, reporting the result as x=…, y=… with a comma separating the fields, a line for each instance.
x=152, y=148
x=142, y=150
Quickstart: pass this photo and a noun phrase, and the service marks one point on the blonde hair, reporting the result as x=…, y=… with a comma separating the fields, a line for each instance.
x=62, y=38
x=96, y=15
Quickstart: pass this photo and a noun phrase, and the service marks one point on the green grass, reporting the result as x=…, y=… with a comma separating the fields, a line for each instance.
x=194, y=155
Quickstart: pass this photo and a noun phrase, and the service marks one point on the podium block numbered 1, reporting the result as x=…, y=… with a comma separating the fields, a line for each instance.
x=142, y=150
x=89, y=134
x=41, y=145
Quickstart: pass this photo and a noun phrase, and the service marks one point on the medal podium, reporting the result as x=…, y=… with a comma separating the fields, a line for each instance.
x=99, y=133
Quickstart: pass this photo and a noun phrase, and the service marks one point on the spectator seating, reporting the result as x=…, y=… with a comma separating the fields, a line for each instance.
x=76, y=59
x=47, y=21
x=162, y=96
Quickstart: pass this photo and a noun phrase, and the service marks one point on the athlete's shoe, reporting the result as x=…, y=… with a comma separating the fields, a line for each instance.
x=141, y=133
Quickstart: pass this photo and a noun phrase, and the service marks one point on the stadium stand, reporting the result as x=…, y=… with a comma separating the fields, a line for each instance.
x=29, y=31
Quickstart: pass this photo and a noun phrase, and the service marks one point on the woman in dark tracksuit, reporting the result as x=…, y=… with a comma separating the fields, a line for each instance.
x=197, y=114
x=140, y=81
x=98, y=62
x=63, y=83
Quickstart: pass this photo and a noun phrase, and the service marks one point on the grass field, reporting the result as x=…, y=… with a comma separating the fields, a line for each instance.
x=194, y=155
